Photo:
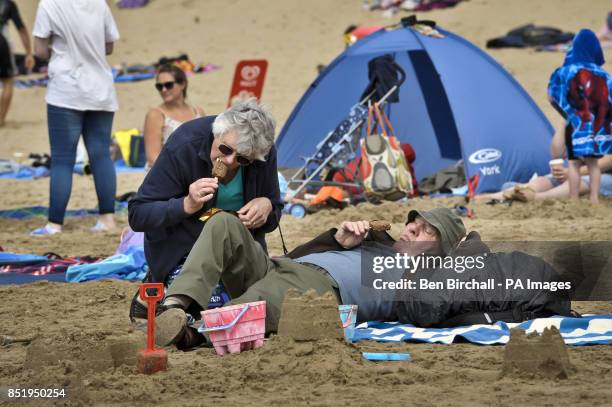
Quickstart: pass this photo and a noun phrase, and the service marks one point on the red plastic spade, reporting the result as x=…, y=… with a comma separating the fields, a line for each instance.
x=151, y=360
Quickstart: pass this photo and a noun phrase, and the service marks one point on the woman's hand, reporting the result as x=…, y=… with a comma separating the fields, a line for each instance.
x=255, y=213
x=559, y=173
x=351, y=234
x=200, y=192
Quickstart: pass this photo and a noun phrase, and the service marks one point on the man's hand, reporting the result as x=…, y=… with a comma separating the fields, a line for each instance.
x=255, y=213
x=560, y=173
x=200, y=192
x=351, y=234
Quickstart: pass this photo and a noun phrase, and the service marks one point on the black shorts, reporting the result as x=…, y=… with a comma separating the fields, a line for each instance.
x=7, y=63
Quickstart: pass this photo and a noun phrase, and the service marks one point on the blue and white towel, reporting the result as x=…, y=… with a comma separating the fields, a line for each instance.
x=589, y=330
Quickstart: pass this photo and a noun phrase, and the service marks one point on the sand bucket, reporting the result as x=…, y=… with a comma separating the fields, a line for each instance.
x=348, y=316
x=235, y=328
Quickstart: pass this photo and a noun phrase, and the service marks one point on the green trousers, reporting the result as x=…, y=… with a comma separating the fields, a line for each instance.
x=226, y=251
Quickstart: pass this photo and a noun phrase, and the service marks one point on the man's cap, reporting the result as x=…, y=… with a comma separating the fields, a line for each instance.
x=449, y=225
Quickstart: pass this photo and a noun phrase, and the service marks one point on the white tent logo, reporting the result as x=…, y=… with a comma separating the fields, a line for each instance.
x=485, y=155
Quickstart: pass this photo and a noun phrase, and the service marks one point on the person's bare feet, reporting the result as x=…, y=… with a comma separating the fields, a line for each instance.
x=523, y=193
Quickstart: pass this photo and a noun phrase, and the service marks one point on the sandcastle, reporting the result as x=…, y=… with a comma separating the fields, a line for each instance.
x=538, y=355
x=310, y=317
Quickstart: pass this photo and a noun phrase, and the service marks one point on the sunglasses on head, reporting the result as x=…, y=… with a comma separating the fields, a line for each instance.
x=227, y=151
x=168, y=85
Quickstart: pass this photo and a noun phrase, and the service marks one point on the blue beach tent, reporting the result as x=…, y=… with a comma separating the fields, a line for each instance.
x=456, y=103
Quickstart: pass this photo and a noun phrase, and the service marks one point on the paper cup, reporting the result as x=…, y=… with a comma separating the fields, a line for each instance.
x=556, y=163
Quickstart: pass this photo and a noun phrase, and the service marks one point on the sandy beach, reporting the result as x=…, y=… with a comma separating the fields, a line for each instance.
x=85, y=320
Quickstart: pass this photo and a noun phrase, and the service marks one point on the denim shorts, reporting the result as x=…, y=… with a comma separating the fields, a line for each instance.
x=605, y=188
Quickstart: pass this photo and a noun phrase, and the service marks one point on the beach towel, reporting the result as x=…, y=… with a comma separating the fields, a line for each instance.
x=28, y=172
x=25, y=172
x=16, y=268
x=130, y=266
x=31, y=83
x=43, y=211
x=588, y=330
x=580, y=91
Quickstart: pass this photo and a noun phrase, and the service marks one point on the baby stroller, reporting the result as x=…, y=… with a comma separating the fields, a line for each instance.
x=341, y=145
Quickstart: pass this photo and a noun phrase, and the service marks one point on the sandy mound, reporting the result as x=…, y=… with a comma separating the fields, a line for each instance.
x=309, y=317
x=536, y=355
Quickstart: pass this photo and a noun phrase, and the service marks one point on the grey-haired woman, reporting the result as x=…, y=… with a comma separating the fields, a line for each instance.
x=180, y=186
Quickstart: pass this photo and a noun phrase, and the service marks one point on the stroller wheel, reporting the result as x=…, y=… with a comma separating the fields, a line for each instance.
x=297, y=211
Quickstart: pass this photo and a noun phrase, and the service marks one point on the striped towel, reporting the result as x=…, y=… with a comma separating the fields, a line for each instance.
x=589, y=330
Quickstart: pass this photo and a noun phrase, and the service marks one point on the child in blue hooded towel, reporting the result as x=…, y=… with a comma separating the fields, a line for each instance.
x=580, y=91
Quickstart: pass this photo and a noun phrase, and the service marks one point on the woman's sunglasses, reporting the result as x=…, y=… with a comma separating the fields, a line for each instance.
x=227, y=151
x=167, y=85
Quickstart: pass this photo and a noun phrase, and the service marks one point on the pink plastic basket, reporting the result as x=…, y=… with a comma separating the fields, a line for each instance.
x=236, y=328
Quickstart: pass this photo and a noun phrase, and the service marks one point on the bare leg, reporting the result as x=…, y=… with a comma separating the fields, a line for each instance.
x=573, y=178
x=539, y=184
x=5, y=99
x=560, y=192
x=594, y=179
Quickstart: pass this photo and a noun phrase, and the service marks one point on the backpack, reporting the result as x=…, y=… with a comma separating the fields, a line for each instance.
x=383, y=163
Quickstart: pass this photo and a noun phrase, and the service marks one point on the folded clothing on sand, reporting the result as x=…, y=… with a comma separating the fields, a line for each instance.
x=530, y=36
x=131, y=266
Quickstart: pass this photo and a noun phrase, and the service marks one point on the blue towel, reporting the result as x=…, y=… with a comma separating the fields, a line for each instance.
x=130, y=266
x=589, y=330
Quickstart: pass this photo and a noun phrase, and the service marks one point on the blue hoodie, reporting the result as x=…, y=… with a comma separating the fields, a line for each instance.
x=585, y=49
x=584, y=54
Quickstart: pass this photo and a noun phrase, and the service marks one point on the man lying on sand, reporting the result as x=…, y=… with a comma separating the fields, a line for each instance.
x=332, y=262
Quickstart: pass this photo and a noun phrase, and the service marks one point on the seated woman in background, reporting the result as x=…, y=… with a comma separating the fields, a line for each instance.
x=161, y=121
x=555, y=185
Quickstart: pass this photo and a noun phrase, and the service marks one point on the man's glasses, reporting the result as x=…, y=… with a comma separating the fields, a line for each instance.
x=167, y=85
x=227, y=151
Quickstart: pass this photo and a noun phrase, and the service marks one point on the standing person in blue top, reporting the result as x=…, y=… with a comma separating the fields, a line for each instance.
x=180, y=187
x=580, y=91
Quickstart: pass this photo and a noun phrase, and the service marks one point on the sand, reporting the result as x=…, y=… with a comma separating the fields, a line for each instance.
x=87, y=323
x=310, y=317
x=537, y=355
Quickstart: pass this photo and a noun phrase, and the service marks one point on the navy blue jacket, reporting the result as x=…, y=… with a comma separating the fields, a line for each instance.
x=158, y=211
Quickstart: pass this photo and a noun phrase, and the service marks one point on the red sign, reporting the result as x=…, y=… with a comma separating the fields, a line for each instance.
x=248, y=80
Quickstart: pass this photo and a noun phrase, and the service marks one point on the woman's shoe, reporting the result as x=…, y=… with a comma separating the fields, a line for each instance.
x=101, y=227
x=45, y=231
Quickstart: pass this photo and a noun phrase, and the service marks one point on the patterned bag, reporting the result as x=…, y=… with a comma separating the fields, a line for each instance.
x=383, y=165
